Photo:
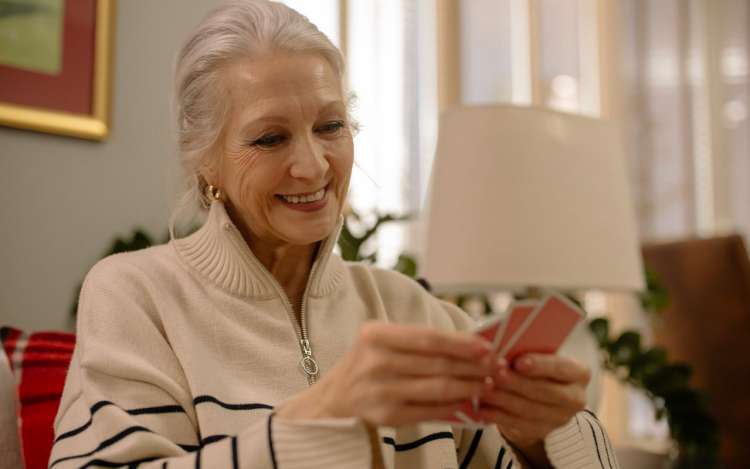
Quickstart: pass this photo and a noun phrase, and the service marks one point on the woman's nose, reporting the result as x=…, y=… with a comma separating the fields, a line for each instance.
x=309, y=161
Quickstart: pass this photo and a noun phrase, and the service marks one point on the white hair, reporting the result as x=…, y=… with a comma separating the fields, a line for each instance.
x=237, y=29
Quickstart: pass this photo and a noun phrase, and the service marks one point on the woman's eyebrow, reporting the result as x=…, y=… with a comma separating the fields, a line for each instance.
x=269, y=119
x=331, y=106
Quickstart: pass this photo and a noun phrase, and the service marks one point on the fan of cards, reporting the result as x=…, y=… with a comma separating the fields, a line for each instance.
x=529, y=327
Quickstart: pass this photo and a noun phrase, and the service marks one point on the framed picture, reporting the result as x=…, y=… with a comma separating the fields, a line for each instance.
x=55, y=66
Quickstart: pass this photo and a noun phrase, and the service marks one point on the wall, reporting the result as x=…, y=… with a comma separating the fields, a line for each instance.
x=64, y=200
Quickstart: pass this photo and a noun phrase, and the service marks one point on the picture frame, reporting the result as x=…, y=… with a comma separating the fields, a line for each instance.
x=57, y=81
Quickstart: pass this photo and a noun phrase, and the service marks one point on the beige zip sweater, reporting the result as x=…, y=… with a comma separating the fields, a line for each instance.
x=184, y=350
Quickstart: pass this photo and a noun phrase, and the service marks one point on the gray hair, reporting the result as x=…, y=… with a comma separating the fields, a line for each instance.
x=236, y=29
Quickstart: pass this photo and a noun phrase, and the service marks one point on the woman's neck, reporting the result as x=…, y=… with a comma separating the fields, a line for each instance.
x=289, y=264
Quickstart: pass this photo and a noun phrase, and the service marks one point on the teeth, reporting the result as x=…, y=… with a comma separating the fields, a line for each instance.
x=295, y=199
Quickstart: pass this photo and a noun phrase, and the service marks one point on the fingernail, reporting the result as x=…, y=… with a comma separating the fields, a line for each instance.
x=501, y=363
x=489, y=385
x=525, y=363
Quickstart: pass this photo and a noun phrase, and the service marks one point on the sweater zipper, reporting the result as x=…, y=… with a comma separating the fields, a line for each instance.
x=309, y=365
x=307, y=362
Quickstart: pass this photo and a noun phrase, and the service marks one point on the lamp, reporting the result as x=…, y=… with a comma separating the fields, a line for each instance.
x=525, y=197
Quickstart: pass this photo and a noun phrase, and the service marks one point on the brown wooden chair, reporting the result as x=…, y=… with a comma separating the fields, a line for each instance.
x=707, y=325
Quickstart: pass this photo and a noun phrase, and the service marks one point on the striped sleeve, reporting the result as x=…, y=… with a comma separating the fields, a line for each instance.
x=485, y=448
x=581, y=444
x=126, y=402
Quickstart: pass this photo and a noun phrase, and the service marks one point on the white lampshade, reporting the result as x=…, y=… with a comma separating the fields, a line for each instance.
x=525, y=197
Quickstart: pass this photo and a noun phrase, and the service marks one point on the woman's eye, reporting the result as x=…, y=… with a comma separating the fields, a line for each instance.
x=269, y=140
x=331, y=127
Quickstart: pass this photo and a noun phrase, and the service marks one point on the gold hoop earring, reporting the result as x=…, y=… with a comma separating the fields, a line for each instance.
x=213, y=192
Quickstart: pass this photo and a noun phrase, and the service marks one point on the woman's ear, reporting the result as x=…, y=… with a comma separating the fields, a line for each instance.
x=209, y=173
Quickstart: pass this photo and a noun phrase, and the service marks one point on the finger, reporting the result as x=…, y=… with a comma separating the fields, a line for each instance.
x=562, y=369
x=520, y=407
x=414, y=413
x=429, y=390
x=543, y=391
x=424, y=340
x=400, y=363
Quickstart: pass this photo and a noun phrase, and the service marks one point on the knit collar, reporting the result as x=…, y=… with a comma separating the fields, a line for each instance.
x=219, y=253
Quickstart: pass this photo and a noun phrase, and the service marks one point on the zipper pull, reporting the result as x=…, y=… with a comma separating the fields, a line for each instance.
x=309, y=365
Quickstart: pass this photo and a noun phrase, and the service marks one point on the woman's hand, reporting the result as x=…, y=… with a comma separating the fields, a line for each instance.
x=540, y=393
x=399, y=374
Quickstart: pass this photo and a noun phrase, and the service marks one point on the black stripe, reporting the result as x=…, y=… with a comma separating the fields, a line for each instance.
x=604, y=443
x=610, y=450
x=94, y=409
x=212, y=439
x=105, y=463
x=104, y=444
x=500, y=457
x=235, y=460
x=607, y=446
x=198, y=459
x=164, y=409
x=270, y=443
x=189, y=448
x=510, y=464
x=472, y=449
x=598, y=452
x=591, y=414
x=164, y=465
x=213, y=400
x=414, y=444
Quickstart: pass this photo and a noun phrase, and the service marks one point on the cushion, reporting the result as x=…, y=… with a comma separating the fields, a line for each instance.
x=39, y=362
x=10, y=447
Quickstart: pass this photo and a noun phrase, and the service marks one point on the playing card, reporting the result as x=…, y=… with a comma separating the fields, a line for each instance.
x=488, y=329
x=530, y=327
x=519, y=313
x=545, y=329
x=498, y=332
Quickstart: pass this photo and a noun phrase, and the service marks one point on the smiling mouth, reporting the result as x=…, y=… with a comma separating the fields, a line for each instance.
x=307, y=198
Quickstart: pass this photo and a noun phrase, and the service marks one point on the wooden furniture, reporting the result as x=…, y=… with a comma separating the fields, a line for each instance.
x=707, y=325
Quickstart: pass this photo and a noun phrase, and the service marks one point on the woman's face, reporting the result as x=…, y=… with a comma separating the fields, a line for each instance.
x=287, y=149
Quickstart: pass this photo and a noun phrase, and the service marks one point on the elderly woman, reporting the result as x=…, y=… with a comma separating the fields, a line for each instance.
x=249, y=343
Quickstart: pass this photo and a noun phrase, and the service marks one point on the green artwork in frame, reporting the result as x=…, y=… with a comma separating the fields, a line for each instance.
x=31, y=33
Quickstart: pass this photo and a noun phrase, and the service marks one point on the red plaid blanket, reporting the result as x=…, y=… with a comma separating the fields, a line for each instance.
x=40, y=362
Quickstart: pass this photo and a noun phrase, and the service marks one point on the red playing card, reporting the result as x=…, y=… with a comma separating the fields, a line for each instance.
x=498, y=332
x=519, y=313
x=545, y=330
x=489, y=329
